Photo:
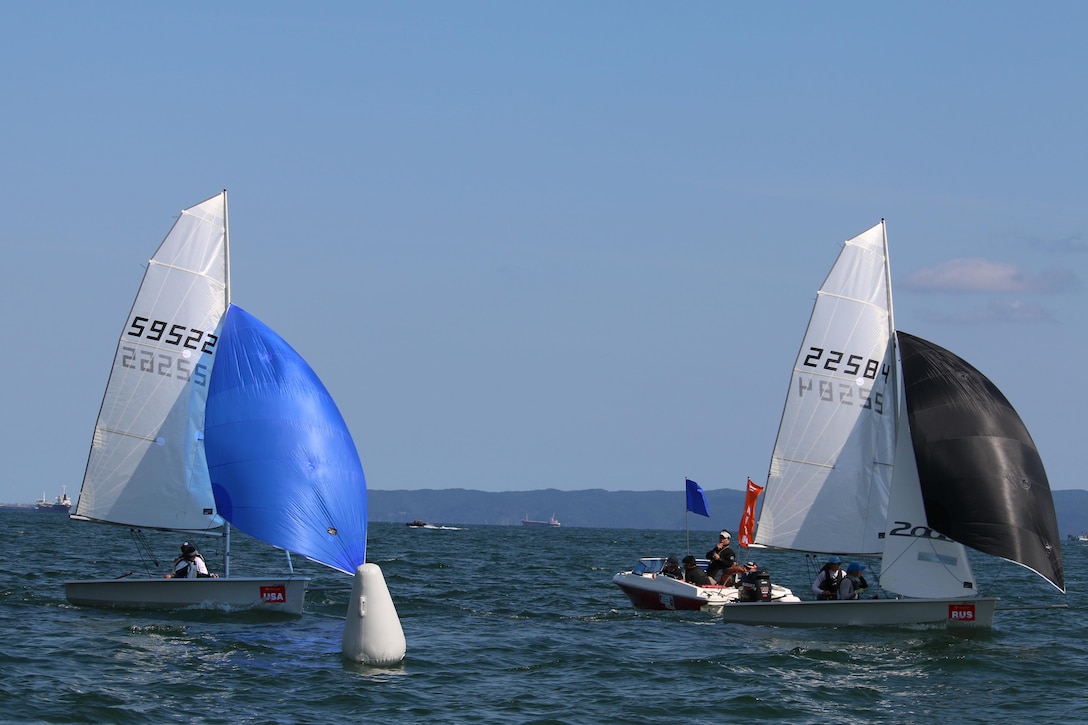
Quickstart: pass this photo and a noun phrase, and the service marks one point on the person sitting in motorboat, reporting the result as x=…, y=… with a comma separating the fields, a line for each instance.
x=826, y=585
x=723, y=561
x=672, y=569
x=693, y=574
x=190, y=565
x=750, y=570
x=853, y=584
x=748, y=583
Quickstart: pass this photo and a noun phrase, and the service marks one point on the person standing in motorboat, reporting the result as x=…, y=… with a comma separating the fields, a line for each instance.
x=723, y=560
x=693, y=574
x=826, y=585
x=190, y=565
x=672, y=569
x=854, y=583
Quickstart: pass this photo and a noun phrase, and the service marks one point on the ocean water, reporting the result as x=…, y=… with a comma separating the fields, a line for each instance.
x=510, y=625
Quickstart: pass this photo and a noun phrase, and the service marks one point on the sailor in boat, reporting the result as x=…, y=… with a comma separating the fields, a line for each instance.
x=754, y=585
x=693, y=574
x=190, y=565
x=672, y=569
x=853, y=584
x=830, y=576
x=723, y=561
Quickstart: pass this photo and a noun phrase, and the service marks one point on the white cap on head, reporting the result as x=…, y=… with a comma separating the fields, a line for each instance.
x=725, y=534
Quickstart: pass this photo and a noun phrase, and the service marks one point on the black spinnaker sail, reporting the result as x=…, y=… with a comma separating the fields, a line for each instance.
x=983, y=482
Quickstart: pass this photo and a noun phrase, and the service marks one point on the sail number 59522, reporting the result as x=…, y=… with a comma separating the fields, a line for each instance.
x=165, y=364
x=179, y=335
x=180, y=365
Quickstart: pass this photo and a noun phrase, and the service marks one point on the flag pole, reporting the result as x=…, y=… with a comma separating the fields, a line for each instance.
x=687, y=533
x=695, y=502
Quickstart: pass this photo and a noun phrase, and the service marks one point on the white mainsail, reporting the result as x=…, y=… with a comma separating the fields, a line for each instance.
x=146, y=465
x=830, y=474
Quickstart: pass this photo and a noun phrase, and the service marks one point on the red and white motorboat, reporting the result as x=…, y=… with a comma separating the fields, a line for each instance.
x=648, y=588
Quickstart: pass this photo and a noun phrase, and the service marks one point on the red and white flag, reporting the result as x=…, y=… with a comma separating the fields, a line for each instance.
x=748, y=519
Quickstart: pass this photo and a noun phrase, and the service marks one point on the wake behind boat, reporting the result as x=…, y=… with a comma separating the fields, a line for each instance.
x=417, y=524
x=891, y=446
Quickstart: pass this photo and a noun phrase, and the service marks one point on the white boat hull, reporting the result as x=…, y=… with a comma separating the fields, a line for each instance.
x=660, y=592
x=965, y=612
x=284, y=595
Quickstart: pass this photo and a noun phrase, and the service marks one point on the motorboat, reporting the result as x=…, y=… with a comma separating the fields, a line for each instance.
x=648, y=587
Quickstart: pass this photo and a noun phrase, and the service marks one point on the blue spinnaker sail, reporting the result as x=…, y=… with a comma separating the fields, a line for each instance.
x=284, y=468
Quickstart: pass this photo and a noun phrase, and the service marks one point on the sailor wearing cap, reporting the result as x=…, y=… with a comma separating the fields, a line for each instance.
x=190, y=565
x=853, y=584
x=826, y=584
x=723, y=560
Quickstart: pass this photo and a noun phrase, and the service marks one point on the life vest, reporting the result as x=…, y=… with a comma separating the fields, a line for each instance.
x=185, y=569
x=832, y=579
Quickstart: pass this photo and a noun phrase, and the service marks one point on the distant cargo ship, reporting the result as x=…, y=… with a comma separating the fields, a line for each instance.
x=553, y=522
x=60, y=505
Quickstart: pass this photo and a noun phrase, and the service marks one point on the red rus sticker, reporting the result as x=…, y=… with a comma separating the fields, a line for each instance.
x=961, y=612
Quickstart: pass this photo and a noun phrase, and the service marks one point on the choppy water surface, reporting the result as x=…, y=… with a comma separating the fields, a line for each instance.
x=509, y=624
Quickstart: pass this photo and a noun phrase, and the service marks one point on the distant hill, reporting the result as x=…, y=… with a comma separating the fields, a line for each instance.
x=597, y=508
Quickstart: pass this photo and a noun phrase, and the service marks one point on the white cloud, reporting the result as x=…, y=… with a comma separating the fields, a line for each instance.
x=979, y=275
x=995, y=311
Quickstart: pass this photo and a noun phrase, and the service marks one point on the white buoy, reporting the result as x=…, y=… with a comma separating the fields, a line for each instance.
x=372, y=631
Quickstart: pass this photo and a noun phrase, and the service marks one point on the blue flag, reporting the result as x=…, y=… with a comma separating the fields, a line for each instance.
x=696, y=498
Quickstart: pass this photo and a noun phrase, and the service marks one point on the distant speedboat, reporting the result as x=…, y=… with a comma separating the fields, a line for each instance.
x=60, y=505
x=552, y=522
x=417, y=524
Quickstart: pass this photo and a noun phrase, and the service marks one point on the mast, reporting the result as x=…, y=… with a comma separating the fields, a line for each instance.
x=226, y=250
x=897, y=395
x=226, y=305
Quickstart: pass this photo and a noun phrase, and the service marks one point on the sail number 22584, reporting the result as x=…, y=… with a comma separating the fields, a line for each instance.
x=835, y=361
x=839, y=391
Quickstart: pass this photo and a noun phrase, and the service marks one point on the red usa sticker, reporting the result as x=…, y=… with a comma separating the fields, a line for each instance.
x=274, y=594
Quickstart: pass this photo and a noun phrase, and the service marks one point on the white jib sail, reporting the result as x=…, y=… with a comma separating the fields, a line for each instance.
x=918, y=561
x=146, y=465
x=827, y=489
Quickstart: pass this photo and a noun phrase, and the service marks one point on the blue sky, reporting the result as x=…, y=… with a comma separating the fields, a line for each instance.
x=533, y=245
